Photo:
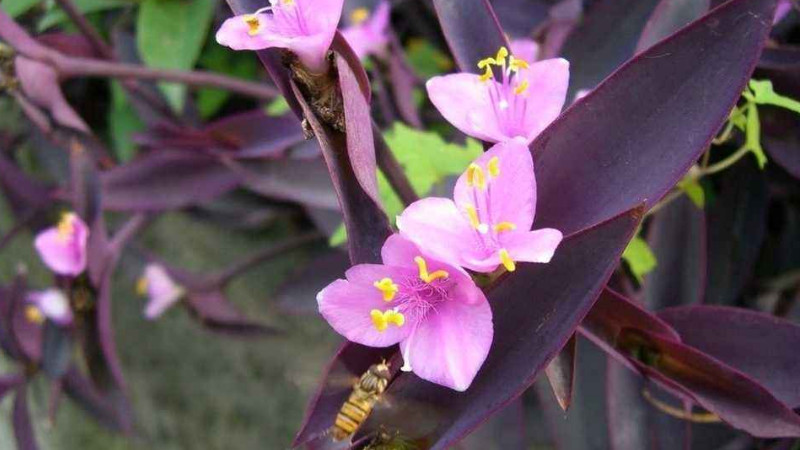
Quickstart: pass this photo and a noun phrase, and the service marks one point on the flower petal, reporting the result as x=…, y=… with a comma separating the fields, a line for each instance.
x=449, y=347
x=436, y=225
x=532, y=246
x=512, y=192
x=463, y=99
x=546, y=94
x=526, y=49
x=64, y=255
x=54, y=305
x=234, y=33
x=161, y=289
x=347, y=307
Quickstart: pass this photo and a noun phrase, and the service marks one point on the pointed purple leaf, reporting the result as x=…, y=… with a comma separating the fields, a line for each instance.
x=762, y=346
x=21, y=421
x=166, y=180
x=535, y=311
x=83, y=393
x=561, y=374
x=39, y=81
x=471, y=29
x=617, y=147
x=297, y=295
x=216, y=312
x=298, y=180
x=667, y=18
x=677, y=237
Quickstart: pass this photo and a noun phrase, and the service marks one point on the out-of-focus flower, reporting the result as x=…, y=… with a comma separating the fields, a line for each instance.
x=434, y=310
x=518, y=106
x=304, y=27
x=489, y=222
x=525, y=48
x=160, y=288
x=368, y=34
x=49, y=304
x=63, y=247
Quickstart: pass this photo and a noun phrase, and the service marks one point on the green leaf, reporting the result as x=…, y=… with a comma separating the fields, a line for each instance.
x=426, y=159
x=753, y=136
x=16, y=8
x=427, y=60
x=170, y=35
x=692, y=188
x=639, y=257
x=219, y=59
x=277, y=107
x=56, y=16
x=123, y=123
x=763, y=94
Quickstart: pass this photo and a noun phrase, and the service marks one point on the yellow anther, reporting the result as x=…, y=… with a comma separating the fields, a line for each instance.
x=65, y=226
x=517, y=63
x=500, y=58
x=504, y=226
x=508, y=263
x=253, y=24
x=387, y=287
x=472, y=213
x=288, y=2
x=475, y=176
x=381, y=320
x=141, y=286
x=359, y=15
x=423, y=271
x=34, y=315
x=487, y=74
x=521, y=87
x=493, y=167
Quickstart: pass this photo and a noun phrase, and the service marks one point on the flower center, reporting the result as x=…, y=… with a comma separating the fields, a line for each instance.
x=479, y=213
x=509, y=94
x=66, y=228
x=358, y=16
x=34, y=315
x=253, y=24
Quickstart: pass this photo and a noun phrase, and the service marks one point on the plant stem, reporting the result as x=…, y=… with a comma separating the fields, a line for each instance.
x=725, y=163
x=86, y=29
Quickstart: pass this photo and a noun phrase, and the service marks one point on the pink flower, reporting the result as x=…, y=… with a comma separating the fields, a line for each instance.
x=437, y=314
x=367, y=35
x=784, y=6
x=304, y=27
x=518, y=106
x=489, y=222
x=51, y=304
x=162, y=291
x=525, y=48
x=63, y=247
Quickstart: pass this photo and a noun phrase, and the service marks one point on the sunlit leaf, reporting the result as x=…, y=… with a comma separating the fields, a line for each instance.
x=693, y=190
x=427, y=60
x=277, y=107
x=765, y=95
x=640, y=258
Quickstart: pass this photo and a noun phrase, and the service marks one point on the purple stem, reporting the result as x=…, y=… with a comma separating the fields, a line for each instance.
x=86, y=29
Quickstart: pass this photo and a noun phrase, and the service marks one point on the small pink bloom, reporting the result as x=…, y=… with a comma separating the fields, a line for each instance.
x=525, y=48
x=437, y=314
x=51, y=304
x=489, y=222
x=63, y=247
x=368, y=34
x=518, y=106
x=159, y=287
x=304, y=27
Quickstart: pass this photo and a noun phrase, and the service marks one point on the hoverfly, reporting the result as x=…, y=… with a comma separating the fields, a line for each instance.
x=366, y=392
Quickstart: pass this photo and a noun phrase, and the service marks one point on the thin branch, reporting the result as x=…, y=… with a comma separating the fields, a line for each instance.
x=392, y=170
x=86, y=29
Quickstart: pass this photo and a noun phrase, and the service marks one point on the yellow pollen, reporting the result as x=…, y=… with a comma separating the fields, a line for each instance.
x=522, y=87
x=141, y=287
x=475, y=176
x=288, y=2
x=473, y=216
x=487, y=74
x=517, y=63
x=508, y=263
x=34, y=315
x=500, y=58
x=359, y=15
x=253, y=24
x=494, y=167
x=423, y=271
x=504, y=226
x=65, y=226
x=381, y=320
x=387, y=287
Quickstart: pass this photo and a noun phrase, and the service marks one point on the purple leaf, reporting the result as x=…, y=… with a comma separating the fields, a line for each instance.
x=39, y=81
x=83, y=393
x=355, y=70
x=9, y=382
x=760, y=345
x=303, y=181
x=366, y=224
x=781, y=137
x=298, y=293
x=23, y=193
x=530, y=328
x=471, y=30
x=677, y=237
x=616, y=147
x=561, y=374
x=21, y=421
x=668, y=17
x=84, y=183
x=605, y=38
x=166, y=180
x=520, y=17
x=215, y=311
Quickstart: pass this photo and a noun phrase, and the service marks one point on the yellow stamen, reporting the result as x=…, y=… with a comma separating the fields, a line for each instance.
x=141, y=287
x=493, y=167
x=472, y=213
x=475, y=176
x=253, y=24
x=381, y=320
x=34, y=315
x=517, y=63
x=423, y=271
x=508, y=263
x=522, y=87
x=359, y=15
x=65, y=226
x=288, y=2
x=487, y=74
x=500, y=58
x=387, y=287
x=504, y=226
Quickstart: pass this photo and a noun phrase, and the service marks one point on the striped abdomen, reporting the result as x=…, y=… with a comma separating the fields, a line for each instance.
x=353, y=413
